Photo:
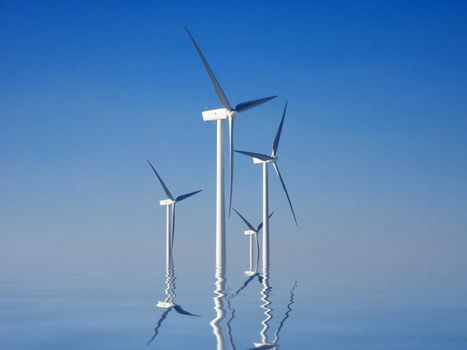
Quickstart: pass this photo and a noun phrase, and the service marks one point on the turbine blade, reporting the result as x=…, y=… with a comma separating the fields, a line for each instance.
x=179, y=309
x=249, y=279
x=287, y=313
x=215, y=83
x=250, y=226
x=244, y=106
x=231, y=140
x=185, y=196
x=285, y=190
x=173, y=230
x=260, y=226
x=257, y=251
x=159, y=324
x=166, y=190
x=279, y=131
x=260, y=156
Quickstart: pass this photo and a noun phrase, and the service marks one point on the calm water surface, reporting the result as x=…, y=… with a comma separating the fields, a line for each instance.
x=293, y=309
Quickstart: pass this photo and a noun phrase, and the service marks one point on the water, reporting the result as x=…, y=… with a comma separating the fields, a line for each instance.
x=300, y=308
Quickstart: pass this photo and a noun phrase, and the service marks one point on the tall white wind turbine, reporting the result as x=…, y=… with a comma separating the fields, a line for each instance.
x=169, y=203
x=219, y=115
x=265, y=160
x=252, y=233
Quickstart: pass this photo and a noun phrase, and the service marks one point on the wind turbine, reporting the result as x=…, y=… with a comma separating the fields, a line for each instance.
x=219, y=115
x=169, y=203
x=252, y=232
x=265, y=160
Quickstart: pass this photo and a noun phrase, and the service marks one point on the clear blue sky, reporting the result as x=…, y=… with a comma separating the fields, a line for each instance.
x=373, y=149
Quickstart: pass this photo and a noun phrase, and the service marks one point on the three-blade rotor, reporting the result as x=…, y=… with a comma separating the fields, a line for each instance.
x=247, y=223
x=239, y=108
x=273, y=159
x=174, y=200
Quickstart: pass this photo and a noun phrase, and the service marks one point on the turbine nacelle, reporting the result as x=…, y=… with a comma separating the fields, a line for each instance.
x=215, y=114
x=218, y=114
x=167, y=201
x=265, y=345
x=260, y=161
x=165, y=304
x=249, y=232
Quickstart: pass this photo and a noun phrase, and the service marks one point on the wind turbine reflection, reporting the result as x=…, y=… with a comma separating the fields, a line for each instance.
x=220, y=294
x=169, y=301
x=225, y=312
x=268, y=310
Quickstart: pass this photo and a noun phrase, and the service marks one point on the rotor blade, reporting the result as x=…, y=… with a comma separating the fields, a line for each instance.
x=285, y=190
x=159, y=324
x=260, y=156
x=215, y=83
x=185, y=196
x=231, y=129
x=250, y=226
x=179, y=309
x=244, y=106
x=166, y=190
x=279, y=131
x=260, y=226
x=257, y=251
x=287, y=313
x=173, y=228
x=249, y=279
x=229, y=322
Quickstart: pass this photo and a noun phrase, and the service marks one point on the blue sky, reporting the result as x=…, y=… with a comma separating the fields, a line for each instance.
x=373, y=148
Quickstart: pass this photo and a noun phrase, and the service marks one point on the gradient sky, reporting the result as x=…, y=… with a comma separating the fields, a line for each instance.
x=373, y=148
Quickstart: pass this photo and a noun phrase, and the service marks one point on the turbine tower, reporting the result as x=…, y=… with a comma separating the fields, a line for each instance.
x=219, y=115
x=252, y=233
x=169, y=203
x=265, y=160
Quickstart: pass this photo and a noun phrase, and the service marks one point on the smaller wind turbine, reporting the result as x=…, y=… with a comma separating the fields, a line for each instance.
x=265, y=160
x=169, y=203
x=252, y=232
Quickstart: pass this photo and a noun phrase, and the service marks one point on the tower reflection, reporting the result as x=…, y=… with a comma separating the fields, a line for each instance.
x=219, y=300
x=268, y=310
x=225, y=313
x=169, y=301
x=265, y=292
x=266, y=306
